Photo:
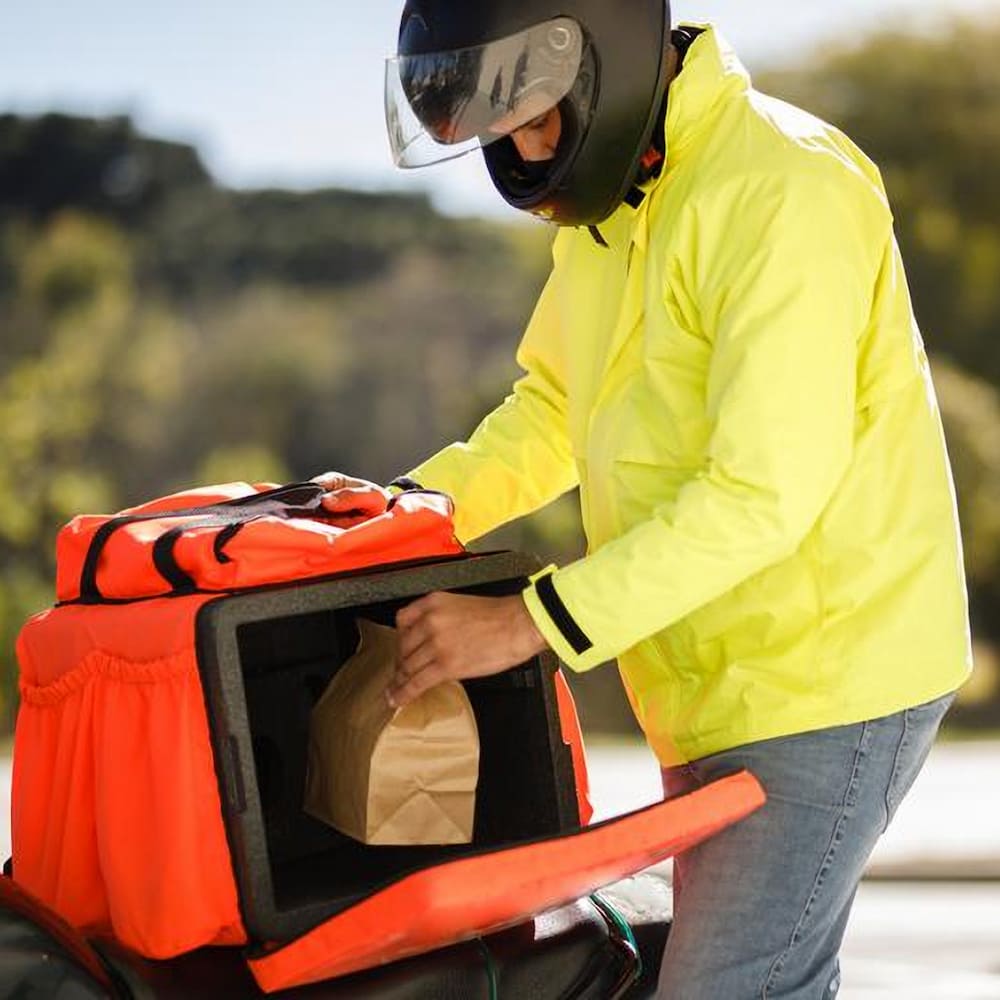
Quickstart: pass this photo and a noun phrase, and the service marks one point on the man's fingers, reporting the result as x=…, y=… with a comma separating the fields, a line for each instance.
x=360, y=499
x=444, y=637
x=410, y=641
x=414, y=645
x=413, y=686
x=423, y=659
x=415, y=611
x=334, y=480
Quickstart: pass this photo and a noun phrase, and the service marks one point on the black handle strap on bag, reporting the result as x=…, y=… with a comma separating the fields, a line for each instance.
x=293, y=500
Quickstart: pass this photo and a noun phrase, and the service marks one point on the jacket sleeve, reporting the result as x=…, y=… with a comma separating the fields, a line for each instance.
x=785, y=293
x=519, y=458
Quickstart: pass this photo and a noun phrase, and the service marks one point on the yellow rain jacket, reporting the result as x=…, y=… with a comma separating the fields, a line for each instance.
x=737, y=384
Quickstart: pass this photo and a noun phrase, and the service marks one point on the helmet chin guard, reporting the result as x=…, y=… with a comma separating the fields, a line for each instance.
x=469, y=72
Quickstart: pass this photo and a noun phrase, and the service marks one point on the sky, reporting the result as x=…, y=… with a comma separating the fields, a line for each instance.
x=290, y=94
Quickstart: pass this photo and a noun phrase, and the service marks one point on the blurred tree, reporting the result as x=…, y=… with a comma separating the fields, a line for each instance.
x=970, y=408
x=971, y=412
x=67, y=319
x=101, y=166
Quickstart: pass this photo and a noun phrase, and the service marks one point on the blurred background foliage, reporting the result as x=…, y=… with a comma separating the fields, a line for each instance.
x=159, y=330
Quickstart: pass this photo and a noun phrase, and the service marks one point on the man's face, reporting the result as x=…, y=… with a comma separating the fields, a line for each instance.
x=538, y=140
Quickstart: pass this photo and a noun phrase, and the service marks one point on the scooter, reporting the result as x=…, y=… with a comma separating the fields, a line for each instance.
x=607, y=946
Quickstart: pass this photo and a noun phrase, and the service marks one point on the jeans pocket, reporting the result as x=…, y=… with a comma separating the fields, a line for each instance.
x=919, y=729
x=821, y=769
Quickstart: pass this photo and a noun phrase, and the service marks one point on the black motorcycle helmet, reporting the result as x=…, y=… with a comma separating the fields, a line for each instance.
x=468, y=72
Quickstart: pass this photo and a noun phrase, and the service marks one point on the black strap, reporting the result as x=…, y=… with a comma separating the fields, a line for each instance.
x=223, y=538
x=682, y=39
x=293, y=500
x=406, y=484
x=393, y=500
x=163, y=548
x=598, y=236
x=166, y=563
x=560, y=615
x=634, y=197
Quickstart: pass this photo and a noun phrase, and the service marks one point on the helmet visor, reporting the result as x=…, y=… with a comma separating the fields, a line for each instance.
x=441, y=105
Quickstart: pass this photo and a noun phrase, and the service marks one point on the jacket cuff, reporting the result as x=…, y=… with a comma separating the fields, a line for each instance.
x=560, y=630
x=404, y=484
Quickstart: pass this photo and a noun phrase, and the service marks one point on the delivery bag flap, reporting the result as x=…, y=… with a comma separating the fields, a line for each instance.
x=237, y=536
x=478, y=894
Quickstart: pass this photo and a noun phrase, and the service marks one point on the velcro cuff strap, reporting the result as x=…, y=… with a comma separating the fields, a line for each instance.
x=405, y=484
x=560, y=615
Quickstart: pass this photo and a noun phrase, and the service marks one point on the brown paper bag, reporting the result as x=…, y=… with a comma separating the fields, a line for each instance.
x=385, y=776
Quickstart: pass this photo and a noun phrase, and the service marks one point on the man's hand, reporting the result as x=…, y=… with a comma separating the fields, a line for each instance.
x=352, y=500
x=334, y=481
x=450, y=637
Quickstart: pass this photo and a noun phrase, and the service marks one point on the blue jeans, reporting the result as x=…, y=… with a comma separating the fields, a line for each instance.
x=761, y=908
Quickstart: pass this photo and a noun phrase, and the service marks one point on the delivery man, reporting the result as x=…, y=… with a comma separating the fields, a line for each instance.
x=725, y=360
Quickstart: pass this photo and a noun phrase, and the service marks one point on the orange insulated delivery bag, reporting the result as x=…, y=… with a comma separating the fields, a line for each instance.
x=162, y=740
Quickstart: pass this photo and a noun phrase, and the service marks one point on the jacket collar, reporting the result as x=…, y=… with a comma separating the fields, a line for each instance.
x=712, y=72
